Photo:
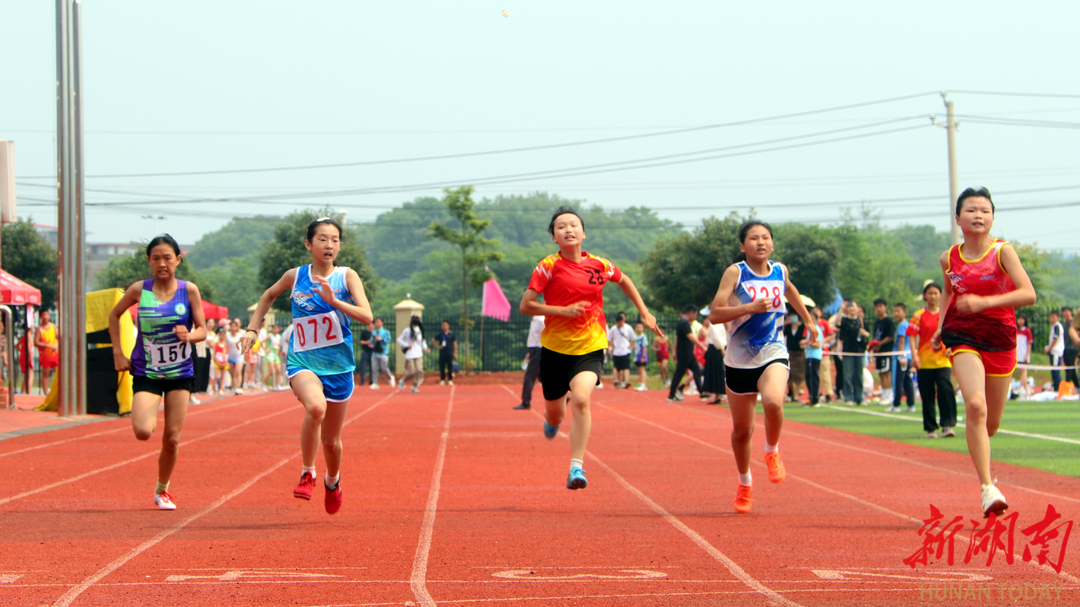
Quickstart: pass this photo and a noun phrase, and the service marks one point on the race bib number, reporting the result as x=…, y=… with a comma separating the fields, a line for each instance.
x=164, y=355
x=318, y=331
x=761, y=289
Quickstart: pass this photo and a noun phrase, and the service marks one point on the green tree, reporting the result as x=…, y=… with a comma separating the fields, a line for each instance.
x=811, y=254
x=123, y=270
x=26, y=256
x=476, y=251
x=686, y=268
x=236, y=283
x=287, y=250
x=241, y=237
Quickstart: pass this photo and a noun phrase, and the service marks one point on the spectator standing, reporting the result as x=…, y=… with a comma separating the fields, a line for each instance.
x=1071, y=347
x=884, y=335
x=365, y=355
x=814, y=354
x=620, y=343
x=1073, y=332
x=380, y=354
x=1056, y=347
x=412, y=345
x=663, y=354
x=794, y=335
x=838, y=359
x=685, y=341
x=903, y=383
x=641, y=354
x=47, y=341
x=532, y=360
x=932, y=366
x=716, y=341
x=828, y=338
x=446, y=343
x=853, y=336
x=1024, y=341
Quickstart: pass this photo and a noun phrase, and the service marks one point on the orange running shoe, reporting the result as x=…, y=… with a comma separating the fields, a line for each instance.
x=744, y=499
x=777, y=472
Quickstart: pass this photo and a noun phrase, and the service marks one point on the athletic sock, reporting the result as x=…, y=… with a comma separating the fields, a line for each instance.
x=310, y=470
x=746, y=480
x=772, y=448
x=576, y=463
x=332, y=483
x=161, y=488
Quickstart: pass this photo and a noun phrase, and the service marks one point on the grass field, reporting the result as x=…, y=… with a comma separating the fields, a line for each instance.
x=1042, y=421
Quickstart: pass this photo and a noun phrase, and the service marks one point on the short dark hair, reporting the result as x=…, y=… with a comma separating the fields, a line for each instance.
x=1053, y=313
x=974, y=193
x=311, y=227
x=564, y=210
x=1063, y=308
x=620, y=316
x=901, y=305
x=689, y=308
x=881, y=300
x=163, y=239
x=930, y=284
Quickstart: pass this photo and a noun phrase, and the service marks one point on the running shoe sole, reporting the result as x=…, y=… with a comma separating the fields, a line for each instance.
x=576, y=479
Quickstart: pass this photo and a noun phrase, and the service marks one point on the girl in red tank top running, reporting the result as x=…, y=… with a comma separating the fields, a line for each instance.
x=984, y=282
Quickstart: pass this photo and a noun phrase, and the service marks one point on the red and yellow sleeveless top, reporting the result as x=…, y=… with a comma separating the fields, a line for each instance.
x=563, y=283
x=993, y=329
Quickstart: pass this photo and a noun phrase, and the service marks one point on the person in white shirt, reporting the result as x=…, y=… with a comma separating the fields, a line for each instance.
x=532, y=361
x=620, y=343
x=412, y=344
x=1056, y=347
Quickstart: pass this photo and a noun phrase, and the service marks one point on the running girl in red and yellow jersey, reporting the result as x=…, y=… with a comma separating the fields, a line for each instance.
x=751, y=301
x=575, y=331
x=984, y=282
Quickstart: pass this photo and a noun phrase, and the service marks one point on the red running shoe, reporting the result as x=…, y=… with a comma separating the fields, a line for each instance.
x=333, y=499
x=306, y=486
x=777, y=472
x=744, y=499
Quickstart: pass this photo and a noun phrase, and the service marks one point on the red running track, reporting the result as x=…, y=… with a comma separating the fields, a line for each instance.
x=452, y=498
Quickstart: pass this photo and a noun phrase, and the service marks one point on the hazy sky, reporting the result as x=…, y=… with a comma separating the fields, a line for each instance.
x=203, y=86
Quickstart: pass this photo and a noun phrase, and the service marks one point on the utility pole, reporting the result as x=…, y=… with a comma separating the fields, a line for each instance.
x=954, y=186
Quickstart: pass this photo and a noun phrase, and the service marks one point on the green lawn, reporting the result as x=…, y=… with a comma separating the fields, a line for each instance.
x=1050, y=419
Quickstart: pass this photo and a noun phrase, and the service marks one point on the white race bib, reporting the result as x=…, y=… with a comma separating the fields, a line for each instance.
x=760, y=289
x=163, y=355
x=317, y=331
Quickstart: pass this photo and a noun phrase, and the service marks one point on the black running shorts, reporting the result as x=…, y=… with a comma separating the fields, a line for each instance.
x=141, y=383
x=557, y=369
x=745, y=381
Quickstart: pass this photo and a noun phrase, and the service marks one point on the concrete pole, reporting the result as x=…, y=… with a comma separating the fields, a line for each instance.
x=954, y=185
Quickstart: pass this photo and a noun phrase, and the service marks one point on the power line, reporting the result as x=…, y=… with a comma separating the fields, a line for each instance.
x=517, y=150
x=1007, y=94
x=1019, y=122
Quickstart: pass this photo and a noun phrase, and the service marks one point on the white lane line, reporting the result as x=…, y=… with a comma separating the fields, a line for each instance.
x=969, y=475
x=861, y=501
x=915, y=419
x=78, y=589
x=702, y=543
x=127, y=426
x=418, y=579
x=134, y=459
x=81, y=587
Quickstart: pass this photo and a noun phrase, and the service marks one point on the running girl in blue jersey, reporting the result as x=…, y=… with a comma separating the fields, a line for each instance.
x=320, y=363
x=170, y=320
x=751, y=301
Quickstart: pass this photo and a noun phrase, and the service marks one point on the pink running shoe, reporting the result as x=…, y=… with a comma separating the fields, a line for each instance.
x=306, y=486
x=333, y=499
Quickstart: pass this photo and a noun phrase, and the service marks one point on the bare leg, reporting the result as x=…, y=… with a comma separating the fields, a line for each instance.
x=309, y=391
x=176, y=403
x=581, y=388
x=984, y=402
x=331, y=436
x=771, y=385
x=742, y=431
x=144, y=408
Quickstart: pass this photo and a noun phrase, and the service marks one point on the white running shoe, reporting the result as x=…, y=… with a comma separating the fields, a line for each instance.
x=451, y=382
x=374, y=386
x=391, y=381
x=164, y=501
x=641, y=388
x=192, y=400
x=992, y=501
x=442, y=382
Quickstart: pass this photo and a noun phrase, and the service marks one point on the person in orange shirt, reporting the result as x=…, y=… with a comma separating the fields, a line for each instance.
x=984, y=283
x=575, y=330
x=47, y=339
x=932, y=366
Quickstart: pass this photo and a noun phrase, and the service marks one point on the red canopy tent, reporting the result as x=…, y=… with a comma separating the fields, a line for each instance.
x=212, y=311
x=16, y=292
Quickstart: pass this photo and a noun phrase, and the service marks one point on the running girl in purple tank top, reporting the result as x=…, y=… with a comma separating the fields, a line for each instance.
x=170, y=321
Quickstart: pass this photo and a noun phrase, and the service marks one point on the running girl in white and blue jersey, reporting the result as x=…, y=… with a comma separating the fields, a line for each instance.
x=169, y=322
x=751, y=300
x=320, y=362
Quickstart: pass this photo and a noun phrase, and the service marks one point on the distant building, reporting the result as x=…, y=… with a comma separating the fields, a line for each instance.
x=98, y=254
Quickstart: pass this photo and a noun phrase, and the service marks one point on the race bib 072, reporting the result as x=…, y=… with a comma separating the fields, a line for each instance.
x=317, y=331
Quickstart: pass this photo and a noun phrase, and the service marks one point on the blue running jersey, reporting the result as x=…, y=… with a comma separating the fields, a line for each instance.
x=321, y=338
x=755, y=339
x=158, y=352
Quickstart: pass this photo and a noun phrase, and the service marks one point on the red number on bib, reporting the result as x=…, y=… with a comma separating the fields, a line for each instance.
x=300, y=336
x=314, y=329
x=329, y=328
x=753, y=293
x=776, y=297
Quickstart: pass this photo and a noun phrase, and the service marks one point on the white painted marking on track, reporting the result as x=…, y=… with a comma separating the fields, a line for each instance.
x=8, y=578
x=133, y=460
x=872, y=505
x=260, y=574
x=126, y=426
x=936, y=576
x=418, y=579
x=623, y=574
x=78, y=589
